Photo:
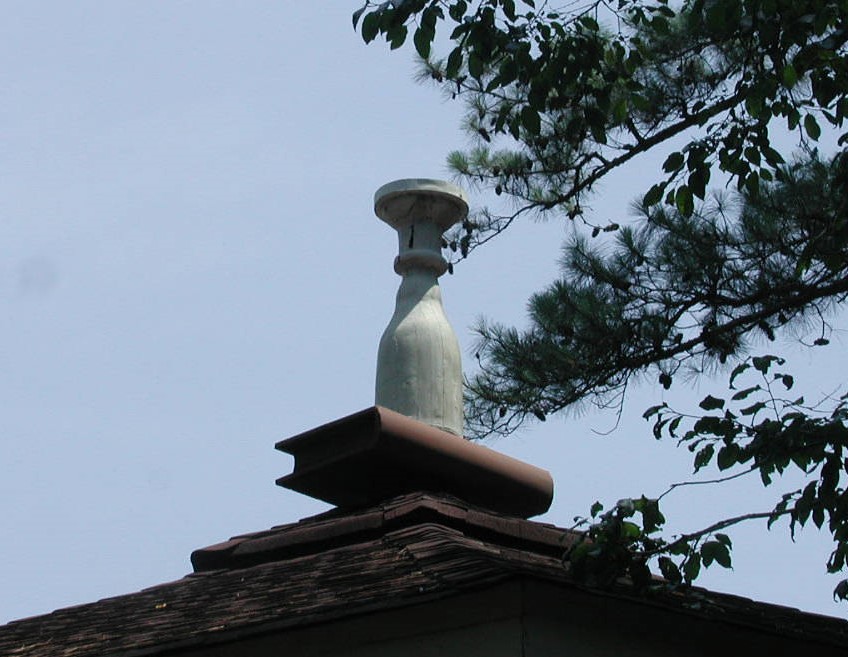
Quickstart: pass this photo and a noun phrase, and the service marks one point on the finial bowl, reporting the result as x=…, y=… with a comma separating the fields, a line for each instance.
x=408, y=199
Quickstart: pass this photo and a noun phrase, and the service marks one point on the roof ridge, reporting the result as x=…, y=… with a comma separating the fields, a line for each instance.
x=322, y=533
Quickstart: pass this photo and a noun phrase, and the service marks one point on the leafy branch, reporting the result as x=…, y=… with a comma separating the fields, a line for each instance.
x=615, y=545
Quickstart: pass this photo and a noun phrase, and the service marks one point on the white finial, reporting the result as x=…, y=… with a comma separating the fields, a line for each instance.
x=419, y=368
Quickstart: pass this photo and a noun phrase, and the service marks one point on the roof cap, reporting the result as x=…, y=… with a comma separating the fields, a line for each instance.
x=377, y=454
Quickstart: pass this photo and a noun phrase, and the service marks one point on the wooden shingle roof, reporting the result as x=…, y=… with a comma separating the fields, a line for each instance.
x=410, y=550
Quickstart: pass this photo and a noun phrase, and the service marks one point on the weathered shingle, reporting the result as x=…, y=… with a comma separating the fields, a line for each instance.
x=407, y=551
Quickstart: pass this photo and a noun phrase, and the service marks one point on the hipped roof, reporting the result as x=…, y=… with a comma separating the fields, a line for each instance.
x=410, y=550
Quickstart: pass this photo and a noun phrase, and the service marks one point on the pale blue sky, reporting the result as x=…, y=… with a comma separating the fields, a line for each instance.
x=190, y=270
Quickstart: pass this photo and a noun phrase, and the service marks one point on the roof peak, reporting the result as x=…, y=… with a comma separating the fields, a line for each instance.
x=338, y=528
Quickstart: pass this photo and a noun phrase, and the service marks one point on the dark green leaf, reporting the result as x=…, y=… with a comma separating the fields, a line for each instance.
x=371, y=26
x=653, y=410
x=790, y=76
x=457, y=10
x=672, y=427
x=722, y=557
x=640, y=102
x=772, y=156
x=652, y=517
x=752, y=186
x=531, y=121
x=754, y=104
x=619, y=110
x=454, y=63
x=742, y=394
x=715, y=551
x=787, y=379
x=589, y=23
x=669, y=570
x=660, y=25
x=653, y=196
x=812, y=127
x=684, y=201
x=727, y=456
x=703, y=457
x=818, y=516
x=753, y=409
x=475, y=65
x=630, y=530
x=707, y=552
x=599, y=133
x=692, y=567
x=422, y=39
x=708, y=424
x=710, y=403
x=697, y=182
x=739, y=369
x=763, y=363
x=396, y=36
x=673, y=162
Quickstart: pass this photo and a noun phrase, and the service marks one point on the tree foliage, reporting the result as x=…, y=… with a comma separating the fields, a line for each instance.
x=560, y=97
x=672, y=290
